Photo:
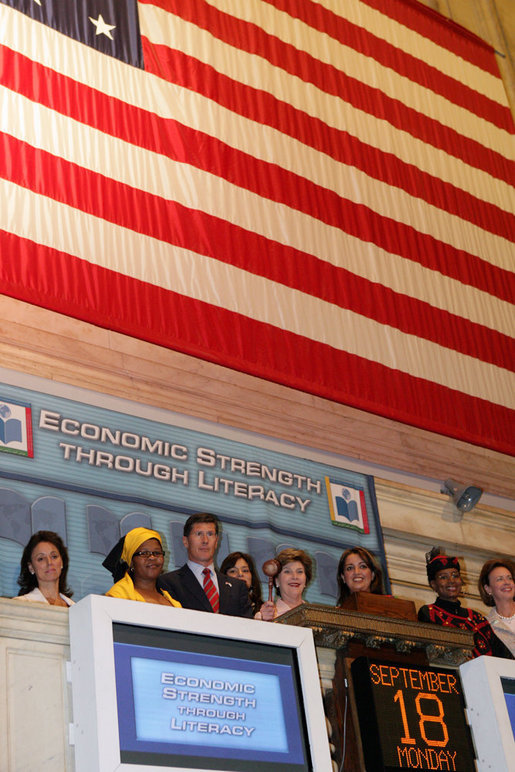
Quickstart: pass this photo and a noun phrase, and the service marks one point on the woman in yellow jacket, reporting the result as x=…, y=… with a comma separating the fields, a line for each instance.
x=137, y=562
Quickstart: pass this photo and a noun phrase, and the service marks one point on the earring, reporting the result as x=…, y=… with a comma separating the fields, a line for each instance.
x=31, y=570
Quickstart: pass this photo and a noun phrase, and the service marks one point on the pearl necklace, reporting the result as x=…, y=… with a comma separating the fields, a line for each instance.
x=505, y=619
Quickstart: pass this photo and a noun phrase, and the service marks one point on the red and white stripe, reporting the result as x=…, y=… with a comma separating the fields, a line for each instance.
x=323, y=201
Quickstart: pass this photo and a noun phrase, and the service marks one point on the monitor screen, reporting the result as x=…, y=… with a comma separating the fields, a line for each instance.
x=208, y=702
x=508, y=688
x=158, y=688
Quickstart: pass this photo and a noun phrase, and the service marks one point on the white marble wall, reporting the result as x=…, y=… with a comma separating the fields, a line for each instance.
x=35, y=700
x=414, y=520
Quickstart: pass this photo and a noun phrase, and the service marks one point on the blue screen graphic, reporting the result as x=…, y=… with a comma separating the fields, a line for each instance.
x=199, y=704
x=186, y=702
x=508, y=686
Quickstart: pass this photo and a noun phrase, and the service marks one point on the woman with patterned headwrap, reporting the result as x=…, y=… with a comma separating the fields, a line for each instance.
x=444, y=576
x=136, y=563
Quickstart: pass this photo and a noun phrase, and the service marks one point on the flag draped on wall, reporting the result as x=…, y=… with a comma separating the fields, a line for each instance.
x=317, y=193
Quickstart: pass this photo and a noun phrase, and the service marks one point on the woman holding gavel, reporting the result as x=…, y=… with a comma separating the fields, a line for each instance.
x=292, y=575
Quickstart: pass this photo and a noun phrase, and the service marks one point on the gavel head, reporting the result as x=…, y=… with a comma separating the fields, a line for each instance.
x=271, y=568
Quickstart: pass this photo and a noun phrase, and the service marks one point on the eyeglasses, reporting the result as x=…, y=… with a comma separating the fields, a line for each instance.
x=149, y=553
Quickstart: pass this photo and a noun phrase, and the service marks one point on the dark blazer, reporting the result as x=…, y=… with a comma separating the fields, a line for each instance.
x=184, y=587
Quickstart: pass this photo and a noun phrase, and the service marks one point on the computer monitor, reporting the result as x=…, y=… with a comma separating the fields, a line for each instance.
x=157, y=688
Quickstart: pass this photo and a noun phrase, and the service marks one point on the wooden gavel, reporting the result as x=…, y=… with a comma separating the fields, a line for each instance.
x=271, y=568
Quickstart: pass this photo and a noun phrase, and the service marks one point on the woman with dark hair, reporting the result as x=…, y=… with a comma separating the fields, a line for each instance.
x=358, y=571
x=240, y=565
x=43, y=570
x=296, y=570
x=136, y=563
x=497, y=589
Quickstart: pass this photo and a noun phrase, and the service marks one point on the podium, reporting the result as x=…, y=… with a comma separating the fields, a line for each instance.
x=157, y=687
x=34, y=640
x=381, y=605
x=379, y=629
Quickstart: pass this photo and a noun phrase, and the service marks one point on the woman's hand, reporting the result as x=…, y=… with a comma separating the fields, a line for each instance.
x=268, y=611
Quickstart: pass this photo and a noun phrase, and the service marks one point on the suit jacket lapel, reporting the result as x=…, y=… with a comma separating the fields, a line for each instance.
x=225, y=587
x=192, y=584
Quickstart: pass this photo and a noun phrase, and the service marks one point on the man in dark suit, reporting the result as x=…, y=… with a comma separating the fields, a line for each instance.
x=197, y=584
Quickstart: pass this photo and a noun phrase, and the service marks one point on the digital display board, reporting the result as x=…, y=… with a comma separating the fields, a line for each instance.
x=411, y=717
x=207, y=702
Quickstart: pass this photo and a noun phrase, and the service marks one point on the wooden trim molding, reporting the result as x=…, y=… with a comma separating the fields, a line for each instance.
x=39, y=342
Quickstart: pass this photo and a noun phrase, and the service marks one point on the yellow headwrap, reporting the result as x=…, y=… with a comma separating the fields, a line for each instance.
x=135, y=539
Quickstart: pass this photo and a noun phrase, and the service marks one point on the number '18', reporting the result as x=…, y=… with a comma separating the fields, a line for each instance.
x=424, y=719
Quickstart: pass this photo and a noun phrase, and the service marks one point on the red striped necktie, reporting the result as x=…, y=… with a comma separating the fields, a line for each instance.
x=211, y=591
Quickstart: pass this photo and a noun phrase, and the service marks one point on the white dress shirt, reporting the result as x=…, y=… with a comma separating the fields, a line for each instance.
x=198, y=571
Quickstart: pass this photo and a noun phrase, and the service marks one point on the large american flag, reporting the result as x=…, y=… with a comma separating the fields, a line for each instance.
x=317, y=193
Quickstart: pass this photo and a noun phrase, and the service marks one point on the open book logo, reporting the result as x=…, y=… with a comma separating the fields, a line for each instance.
x=16, y=428
x=347, y=505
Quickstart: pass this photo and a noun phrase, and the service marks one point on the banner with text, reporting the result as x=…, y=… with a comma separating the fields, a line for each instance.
x=91, y=474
